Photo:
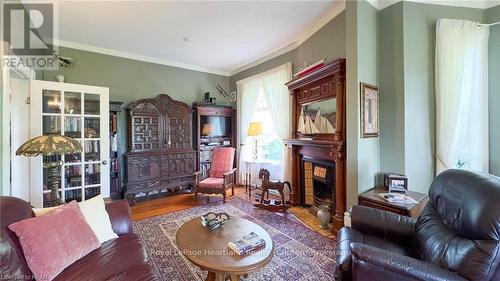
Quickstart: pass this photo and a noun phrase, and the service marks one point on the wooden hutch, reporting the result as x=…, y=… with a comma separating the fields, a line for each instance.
x=327, y=151
x=160, y=157
x=206, y=137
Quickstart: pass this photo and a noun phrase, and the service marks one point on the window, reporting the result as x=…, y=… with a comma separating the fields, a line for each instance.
x=264, y=122
x=264, y=151
x=269, y=145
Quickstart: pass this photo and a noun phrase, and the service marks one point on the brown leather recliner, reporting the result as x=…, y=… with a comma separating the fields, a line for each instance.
x=455, y=238
x=123, y=258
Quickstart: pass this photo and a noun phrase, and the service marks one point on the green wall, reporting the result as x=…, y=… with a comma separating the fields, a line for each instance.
x=493, y=15
x=407, y=33
x=419, y=48
x=391, y=83
x=367, y=49
x=352, y=102
x=129, y=80
x=363, y=155
x=328, y=41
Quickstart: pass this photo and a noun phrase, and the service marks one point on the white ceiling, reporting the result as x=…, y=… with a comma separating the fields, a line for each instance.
x=222, y=37
x=217, y=37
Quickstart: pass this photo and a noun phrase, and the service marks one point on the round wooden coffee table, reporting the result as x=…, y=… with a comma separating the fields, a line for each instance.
x=208, y=248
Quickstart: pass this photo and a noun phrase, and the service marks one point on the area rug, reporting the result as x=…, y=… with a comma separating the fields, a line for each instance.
x=301, y=253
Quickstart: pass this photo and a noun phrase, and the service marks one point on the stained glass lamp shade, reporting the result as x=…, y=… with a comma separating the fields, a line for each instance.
x=49, y=145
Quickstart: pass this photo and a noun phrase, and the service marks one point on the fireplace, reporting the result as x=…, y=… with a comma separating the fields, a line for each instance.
x=318, y=152
x=318, y=183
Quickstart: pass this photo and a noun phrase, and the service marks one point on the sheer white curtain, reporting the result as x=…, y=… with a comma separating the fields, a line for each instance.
x=279, y=102
x=461, y=95
x=248, y=91
x=272, y=84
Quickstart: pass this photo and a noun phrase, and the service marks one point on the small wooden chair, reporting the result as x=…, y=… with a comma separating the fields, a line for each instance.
x=222, y=174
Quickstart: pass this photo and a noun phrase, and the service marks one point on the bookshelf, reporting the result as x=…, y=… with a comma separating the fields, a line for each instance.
x=79, y=112
x=204, y=143
x=115, y=186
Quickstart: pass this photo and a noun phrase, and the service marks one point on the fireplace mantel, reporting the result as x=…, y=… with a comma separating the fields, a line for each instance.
x=326, y=150
x=322, y=84
x=334, y=149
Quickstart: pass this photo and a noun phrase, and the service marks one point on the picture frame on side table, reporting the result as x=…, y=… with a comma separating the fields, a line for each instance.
x=369, y=102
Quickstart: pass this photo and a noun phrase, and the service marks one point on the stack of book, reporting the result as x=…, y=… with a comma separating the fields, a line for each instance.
x=396, y=198
x=248, y=243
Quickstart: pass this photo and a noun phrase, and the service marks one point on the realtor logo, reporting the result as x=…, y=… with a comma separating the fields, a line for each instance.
x=29, y=29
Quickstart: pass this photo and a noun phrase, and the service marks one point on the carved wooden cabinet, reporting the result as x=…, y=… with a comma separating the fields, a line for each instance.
x=160, y=157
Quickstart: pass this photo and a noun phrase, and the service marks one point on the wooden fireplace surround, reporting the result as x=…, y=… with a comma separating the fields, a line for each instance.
x=324, y=83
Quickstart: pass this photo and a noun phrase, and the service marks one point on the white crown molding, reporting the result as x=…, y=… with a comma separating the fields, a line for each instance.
x=477, y=4
x=382, y=4
x=331, y=14
x=133, y=56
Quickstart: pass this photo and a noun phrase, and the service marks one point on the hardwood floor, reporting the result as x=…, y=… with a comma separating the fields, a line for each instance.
x=184, y=201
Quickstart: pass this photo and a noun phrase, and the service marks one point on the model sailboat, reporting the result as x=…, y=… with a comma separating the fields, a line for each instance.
x=323, y=125
x=300, y=124
x=305, y=125
x=320, y=124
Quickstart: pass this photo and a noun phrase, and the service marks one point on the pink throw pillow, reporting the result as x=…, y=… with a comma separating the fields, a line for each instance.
x=54, y=241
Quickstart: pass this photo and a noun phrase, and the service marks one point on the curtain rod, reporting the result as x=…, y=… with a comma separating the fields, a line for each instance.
x=489, y=24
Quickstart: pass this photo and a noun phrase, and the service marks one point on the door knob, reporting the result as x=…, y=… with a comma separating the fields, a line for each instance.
x=104, y=162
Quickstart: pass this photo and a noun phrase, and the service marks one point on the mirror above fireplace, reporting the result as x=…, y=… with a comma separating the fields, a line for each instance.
x=317, y=117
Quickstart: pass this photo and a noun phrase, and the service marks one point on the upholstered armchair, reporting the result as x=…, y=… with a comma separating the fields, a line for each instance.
x=455, y=238
x=222, y=174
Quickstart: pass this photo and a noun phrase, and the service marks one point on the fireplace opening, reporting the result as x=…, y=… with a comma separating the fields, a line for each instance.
x=318, y=184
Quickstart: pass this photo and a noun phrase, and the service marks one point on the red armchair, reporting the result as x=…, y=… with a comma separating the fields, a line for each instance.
x=222, y=174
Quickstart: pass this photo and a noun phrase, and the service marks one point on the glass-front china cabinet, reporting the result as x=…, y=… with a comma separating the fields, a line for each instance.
x=80, y=112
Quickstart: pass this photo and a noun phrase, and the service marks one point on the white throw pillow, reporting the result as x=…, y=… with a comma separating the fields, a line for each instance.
x=95, y=214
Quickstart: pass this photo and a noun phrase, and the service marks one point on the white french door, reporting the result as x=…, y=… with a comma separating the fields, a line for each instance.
x=80, y=112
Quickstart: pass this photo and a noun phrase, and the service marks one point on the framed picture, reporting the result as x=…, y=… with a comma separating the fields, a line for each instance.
x=369, y=111
x=232, y=96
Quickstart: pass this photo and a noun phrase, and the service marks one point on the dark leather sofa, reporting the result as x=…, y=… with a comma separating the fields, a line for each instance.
x=455, y=238
x=123, y=258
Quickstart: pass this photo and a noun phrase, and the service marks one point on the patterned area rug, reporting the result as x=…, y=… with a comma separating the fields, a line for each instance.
x=301, y=253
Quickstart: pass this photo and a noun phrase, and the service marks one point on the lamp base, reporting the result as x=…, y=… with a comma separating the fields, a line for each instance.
x=255, y=152
x=53, y=182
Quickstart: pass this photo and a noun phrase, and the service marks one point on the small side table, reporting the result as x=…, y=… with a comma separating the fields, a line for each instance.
x=253, y=167
x=370, y=199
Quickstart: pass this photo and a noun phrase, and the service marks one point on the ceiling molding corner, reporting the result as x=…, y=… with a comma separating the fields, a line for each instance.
x=138, y=57
x=382, y=4
x=374, y=3
x=331, y=14
x=478, y=4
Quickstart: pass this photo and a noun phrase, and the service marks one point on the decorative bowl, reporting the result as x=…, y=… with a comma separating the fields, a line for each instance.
x=214, y=220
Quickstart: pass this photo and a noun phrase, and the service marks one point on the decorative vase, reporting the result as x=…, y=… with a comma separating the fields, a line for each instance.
x=60, y=78
x=324, y=216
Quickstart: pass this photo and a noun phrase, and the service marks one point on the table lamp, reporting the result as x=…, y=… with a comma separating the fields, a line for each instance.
x=207, y=130
x=254, y=130
x=48, y=145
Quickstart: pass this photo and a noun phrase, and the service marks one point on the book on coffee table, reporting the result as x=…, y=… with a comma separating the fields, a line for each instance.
x=248, y=243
